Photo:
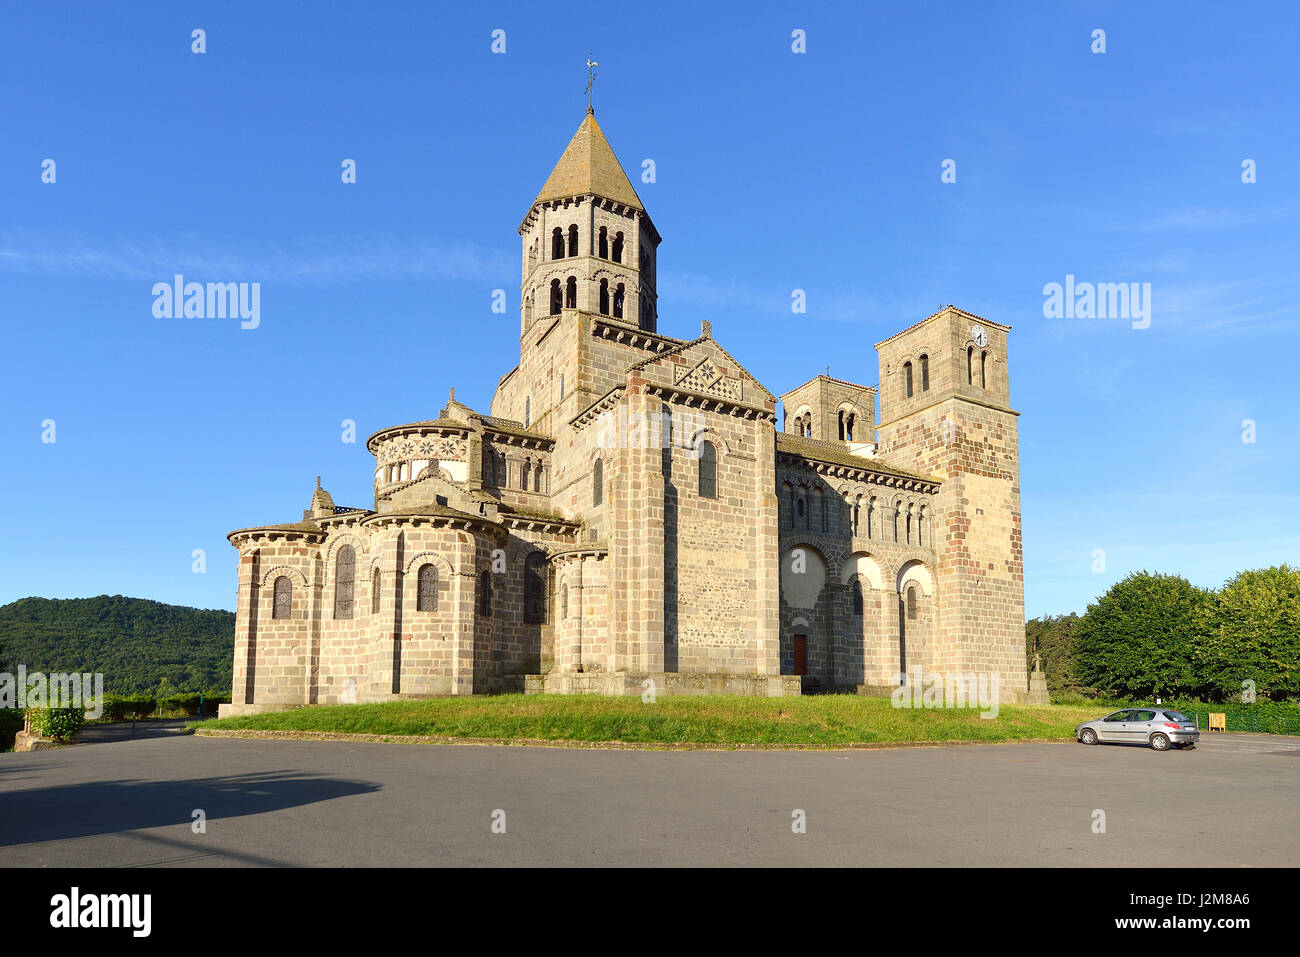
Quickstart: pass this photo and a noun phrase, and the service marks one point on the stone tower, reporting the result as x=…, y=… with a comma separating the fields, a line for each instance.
x=588, y=243
x=945, y=410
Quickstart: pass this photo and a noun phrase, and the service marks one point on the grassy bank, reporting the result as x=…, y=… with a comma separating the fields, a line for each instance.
x=820, y=721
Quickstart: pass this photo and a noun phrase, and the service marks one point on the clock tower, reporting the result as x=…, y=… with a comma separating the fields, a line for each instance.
x=945, y=411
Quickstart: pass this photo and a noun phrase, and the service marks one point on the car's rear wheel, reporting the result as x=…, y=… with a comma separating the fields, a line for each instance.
x=1088, y=736
x=1159, y=742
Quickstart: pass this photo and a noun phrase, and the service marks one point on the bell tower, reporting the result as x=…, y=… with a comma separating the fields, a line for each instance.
x=588, y=242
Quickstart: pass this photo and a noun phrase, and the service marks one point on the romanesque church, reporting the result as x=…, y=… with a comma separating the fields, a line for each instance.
x=633, y=510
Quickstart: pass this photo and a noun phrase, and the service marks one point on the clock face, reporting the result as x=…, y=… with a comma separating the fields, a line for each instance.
x=980, y=336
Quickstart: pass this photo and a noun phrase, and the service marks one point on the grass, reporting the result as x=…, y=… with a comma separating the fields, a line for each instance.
x=723, y=721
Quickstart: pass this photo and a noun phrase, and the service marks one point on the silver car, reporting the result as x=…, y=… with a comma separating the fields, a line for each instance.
x=1159, y=728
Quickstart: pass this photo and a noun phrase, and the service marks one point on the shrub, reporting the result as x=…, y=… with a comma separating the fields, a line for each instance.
x=11, y=722
x=62, y=724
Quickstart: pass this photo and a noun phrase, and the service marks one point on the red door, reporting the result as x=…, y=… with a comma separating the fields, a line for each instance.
x=800, y=654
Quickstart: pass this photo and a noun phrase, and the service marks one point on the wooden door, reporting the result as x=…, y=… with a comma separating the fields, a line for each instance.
x=801, y=654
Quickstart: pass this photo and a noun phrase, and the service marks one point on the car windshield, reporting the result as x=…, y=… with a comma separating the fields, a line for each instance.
x=1177, y=716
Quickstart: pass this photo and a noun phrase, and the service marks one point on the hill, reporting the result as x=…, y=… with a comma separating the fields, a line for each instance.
x=135, y=642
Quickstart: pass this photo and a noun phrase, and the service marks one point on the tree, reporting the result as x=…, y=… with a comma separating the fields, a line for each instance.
x=1052, y=638
x=1140, y=638
x=1257, y=635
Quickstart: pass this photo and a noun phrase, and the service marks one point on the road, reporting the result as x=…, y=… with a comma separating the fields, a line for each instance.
x=131, y=802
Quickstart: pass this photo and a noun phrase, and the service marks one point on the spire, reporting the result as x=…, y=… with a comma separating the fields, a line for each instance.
x=589, y=165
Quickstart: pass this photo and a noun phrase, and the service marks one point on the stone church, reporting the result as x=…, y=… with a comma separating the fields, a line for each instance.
x=630, y=509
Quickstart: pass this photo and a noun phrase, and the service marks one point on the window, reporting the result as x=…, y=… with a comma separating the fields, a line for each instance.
x=427, y=595
x=283, y=607
x=489, y=467
x=374, y=593
x=911, y=602
x=970, y=365
x=597, y=482
x=871, y=511
x=894, y=513
x=524, y=474
x=557, y=243
x=573, y=240
x=848, y=427
x=604, y=297
x=537, y=478
x=618, y=247
x=907, y=378
x=557, y=297
x=571, y=293
x=855, y=518
x=618, y=301
x=602, y=245
x=857, y=597
x=841, y=423
x=925, y=373
x=919, y=516
x=485, y=593
x=984, y=359
x=344, y=571
x=909, y=528
x=535, y=588
x=708, y=471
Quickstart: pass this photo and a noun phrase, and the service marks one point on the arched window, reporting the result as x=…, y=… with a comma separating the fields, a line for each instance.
x=919, y=538
x=344, y=574
x=907, y=378
x=911, y=602
x=557, y=243
x=283, y=607
x=871, y=515
x=925, y=373
x=604, y=297
x=618, y=301
x=908, y=526
x=848, y=426
x=602, y=245
x=535, y=588
x=803, y=511
x=597, y=482
x=894, y=513
x=427, y=596
x=557, y=297
x=841, y=424
x=485, y=593
x=564, y=601
x=571, y=293
x=857, y=597
x=855, y=518
x=618, y=247
x=984, y=359
x=708, y=471
x=970, y=365
x=528, y=411
x=573, y=240
x=374, y=593
x=524, y=474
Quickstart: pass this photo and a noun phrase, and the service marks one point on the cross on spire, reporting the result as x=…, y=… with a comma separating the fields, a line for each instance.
x=591, y=78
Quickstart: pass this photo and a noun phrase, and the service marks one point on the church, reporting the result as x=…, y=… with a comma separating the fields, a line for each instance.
x=633, y=513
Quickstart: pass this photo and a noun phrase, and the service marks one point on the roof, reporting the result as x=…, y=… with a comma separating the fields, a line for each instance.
x=588, y=165
x=442, y=423
x=304, y=527
x=835, y=453
x=946, y=309
x=855, y=385
x=687, y=346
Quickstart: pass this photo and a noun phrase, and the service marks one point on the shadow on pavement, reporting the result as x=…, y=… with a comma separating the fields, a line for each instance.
x=110, y=807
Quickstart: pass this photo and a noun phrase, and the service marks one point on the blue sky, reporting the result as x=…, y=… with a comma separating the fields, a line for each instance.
x=775, y=171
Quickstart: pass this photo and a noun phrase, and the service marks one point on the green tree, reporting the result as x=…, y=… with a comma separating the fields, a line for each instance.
x=1140, y=638
x=1256, y=635
x=1052, y=638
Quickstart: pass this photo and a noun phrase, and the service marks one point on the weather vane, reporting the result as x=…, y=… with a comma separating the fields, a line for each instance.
x=591, y=77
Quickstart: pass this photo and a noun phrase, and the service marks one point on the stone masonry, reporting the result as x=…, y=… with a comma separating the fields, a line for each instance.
x=628, y=514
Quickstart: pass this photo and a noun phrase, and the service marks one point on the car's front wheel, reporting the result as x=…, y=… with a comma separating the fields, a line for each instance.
x=1159, y=742
x=1088, y=736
